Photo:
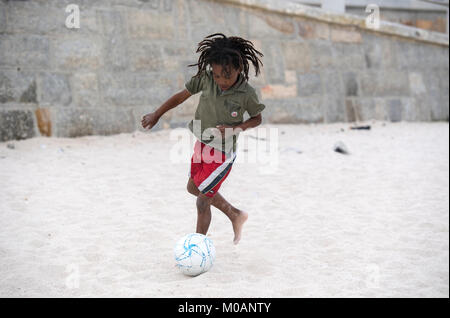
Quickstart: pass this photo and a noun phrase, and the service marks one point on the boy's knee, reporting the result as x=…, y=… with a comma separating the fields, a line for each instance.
x=189, y=189
x=192, y=188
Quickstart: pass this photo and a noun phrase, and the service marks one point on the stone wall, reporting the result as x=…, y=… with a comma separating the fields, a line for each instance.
x=129, y=56
x=420, y=14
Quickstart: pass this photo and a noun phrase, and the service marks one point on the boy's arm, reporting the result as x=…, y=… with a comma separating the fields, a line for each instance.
x=150, y=120
x=251, y=122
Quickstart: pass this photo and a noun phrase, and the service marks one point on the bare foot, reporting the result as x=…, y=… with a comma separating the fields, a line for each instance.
x=238, y=224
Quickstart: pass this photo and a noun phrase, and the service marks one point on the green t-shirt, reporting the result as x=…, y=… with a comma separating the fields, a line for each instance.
x=217, y=107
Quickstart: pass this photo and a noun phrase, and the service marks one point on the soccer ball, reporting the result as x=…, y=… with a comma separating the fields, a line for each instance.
x=194, y=254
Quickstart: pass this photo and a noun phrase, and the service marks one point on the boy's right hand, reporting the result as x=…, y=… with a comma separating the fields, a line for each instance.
x=149, y=120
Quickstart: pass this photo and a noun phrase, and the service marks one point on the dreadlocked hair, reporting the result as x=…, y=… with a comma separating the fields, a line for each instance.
x=228, y=51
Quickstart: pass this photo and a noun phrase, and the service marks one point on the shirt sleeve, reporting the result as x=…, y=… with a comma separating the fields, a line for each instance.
x=195, y=84
x=254, y=107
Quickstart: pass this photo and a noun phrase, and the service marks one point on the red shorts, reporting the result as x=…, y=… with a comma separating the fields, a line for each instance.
x=209, y=168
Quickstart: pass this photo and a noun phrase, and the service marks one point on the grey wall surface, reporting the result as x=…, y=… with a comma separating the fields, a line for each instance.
x=129, y=56
x=424, y=19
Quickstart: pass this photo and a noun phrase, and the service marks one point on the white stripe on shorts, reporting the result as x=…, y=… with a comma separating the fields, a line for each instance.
x=215, y=173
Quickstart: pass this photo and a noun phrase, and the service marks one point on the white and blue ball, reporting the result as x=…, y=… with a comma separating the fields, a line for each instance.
x=194, y=254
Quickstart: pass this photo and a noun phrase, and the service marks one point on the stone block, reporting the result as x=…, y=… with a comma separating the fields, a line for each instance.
x=75, y=122
x=436, y=93
x=422, y=105
x=181, y=16
x=334, y=109
x=445, y=108
x=16, y=86
x=365, y=109
x=351, y=84
x=199, y=32
x=29, y=95
x=278, y=91
x=72, y=122
x=32, y=17
x=309, y=84
x=111, y=21
x=380, y=109
x=178, y=50
x=210, y=17
x=205, y=12
x=440, y=24
x=394, y=109
x=378, y=52
x=415, y=56
x=55, y=89
x=2, y=17
x=443, y=75
x=147, y=56
x=274, y=65
x=409, y=110
x=295, y=111
x=332, y=83
x=310, y=110
x=16, y=124
x=346, y=35
x=384, y=83
x=416, y=84
x=86, y=5
x=265, y=26
x=348, y=56
x=350, y=111
x=115, y=45
x=439, y=109
x=114, y=121
x=137, y=88
x=24, y=51
x=297, y=56
x=116, y=52
x=290, y=77
x=424, y=24
x=359, y=109
x=85, y=89
x=321, y=53
x=308, y=29
x=77, y=53
x=432, y=56
x=150, y=24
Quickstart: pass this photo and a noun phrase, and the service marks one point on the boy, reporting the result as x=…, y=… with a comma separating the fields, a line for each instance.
x=226, y=96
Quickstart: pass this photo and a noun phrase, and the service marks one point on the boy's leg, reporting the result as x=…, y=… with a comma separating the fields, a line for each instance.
x=236, y=216
x=203, y=213
x=218, y=201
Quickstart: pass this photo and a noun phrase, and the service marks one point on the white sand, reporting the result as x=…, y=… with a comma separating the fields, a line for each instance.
x=99, y=216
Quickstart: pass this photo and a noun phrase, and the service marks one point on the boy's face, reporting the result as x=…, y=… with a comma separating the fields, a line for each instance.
x=223, y=80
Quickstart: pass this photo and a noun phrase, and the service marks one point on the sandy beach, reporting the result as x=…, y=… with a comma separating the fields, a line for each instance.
x=98, y=216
